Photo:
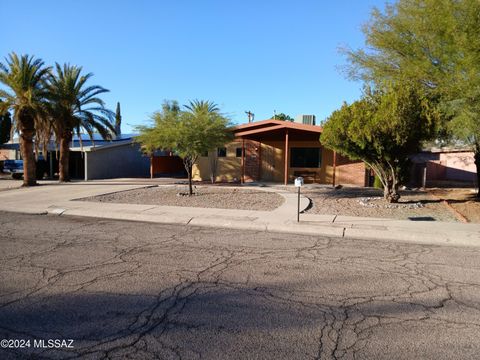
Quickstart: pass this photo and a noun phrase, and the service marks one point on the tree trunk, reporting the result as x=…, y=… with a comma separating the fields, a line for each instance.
x=389, y=179
x=477, y=164
x=64, y=161
x=190, y=188
x=188, y=164
x=27, y=132
x=390, y=193
x=213, y=167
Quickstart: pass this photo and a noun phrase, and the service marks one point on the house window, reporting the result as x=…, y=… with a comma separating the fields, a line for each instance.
x=238, y=152
x=222, y=152
x=305, y=157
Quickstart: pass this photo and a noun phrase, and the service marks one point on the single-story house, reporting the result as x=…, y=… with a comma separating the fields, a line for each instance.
x=97, y=159
x=437, y=166
x=278, y=151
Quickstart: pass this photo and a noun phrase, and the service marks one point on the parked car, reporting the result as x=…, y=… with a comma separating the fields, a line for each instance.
x=15, y=167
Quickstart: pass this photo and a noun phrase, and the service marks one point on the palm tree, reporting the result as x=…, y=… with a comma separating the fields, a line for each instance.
x=74, y=107
x=24, y=78
x=199, y=106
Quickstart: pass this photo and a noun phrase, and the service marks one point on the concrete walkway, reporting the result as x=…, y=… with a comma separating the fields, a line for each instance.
x=60, y=199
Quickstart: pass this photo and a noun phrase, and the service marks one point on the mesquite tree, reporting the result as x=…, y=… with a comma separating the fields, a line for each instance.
x=196, y=130
x=434, y=44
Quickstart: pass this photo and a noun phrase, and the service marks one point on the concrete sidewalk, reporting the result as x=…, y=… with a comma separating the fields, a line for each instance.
x=59, y=199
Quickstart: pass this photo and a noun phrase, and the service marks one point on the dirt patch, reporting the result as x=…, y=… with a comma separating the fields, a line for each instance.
x=368, y=202
x=205, y=196
x=462, y=200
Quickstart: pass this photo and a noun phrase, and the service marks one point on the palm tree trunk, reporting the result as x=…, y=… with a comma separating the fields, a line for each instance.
x=64, y=161
x=27, y=131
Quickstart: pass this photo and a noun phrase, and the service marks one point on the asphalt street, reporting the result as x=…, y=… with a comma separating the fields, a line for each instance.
x=89, y=288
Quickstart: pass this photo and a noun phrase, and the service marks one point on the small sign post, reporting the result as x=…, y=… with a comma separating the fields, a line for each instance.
x=298, y=185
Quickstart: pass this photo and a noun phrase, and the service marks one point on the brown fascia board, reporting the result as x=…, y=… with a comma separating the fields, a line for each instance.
x=257, y=131
x=259, y=123
x=266, y=125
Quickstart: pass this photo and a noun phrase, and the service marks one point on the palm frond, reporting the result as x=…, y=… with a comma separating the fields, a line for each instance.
x=76, y=105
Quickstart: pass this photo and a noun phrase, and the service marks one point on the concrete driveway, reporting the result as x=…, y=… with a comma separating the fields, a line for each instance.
x=7, y=183
x=134, y=290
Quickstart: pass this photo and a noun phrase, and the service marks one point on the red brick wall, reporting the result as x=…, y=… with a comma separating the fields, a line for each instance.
x=351, y=172
x=252, y=160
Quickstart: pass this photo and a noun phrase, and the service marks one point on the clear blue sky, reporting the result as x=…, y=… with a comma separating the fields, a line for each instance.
x=256, y=55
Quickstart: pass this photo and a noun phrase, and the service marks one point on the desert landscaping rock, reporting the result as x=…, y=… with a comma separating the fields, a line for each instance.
x=205, y=196
x=368, y=202
x=462, y=200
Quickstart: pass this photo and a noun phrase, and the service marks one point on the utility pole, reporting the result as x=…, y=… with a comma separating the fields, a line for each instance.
x=250, y=115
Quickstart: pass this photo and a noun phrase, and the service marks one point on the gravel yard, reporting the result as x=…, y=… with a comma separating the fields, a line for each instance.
x=463, y=200
x=368, y=202
x=205, y=196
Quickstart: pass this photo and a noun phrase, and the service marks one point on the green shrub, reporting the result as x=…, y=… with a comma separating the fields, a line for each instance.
x=377, y=183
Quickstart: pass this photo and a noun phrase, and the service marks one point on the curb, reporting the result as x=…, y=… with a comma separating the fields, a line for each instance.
x=340, y=231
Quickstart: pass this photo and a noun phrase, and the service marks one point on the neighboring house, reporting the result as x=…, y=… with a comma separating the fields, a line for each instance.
x=102, y=159
x=6, y=154
x=437, y=166
x=278, y=151
x=97, y=159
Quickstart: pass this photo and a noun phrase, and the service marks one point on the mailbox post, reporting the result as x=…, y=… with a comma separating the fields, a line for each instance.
x=298, y=185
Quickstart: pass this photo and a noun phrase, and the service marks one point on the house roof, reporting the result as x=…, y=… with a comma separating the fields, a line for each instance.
x=98, y=142
x=86, y=145
x=98, y=138
x=275, y=130
x=99, y=147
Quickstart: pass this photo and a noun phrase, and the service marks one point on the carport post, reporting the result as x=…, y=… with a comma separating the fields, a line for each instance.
x=242, y=178
x=86, y=165
x=286, y=158
x=51, y=164
x=151, y=166
x=334, y=167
